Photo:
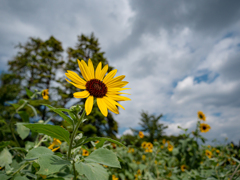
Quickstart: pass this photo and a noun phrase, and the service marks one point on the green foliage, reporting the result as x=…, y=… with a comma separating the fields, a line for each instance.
x=5, y=158
x=50, y=130
x=50, y=164
x=38, y=152
x=103, y=156
x=22, y=131
x=92, y=171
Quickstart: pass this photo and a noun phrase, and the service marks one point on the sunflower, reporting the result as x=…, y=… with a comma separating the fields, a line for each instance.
x=149, y=145
x=204, y=128
x=45, y=94
x=170, y=147
x=164, y=141
x=114, y=177
x=56, y=142
x=141, y=135
x=217, y=151
x=104, y=89
x=183, y=167
x=201, y=116
x=144, y=144
x=85, y=152
x=143, y=157
x=208, y=153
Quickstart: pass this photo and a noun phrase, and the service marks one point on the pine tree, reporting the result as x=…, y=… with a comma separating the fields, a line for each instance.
x=37, y=63
x=151, y=125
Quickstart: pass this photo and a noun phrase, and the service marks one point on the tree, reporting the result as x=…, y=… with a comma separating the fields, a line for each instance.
x=87, y=47
x=37, y=63
x=150, y=124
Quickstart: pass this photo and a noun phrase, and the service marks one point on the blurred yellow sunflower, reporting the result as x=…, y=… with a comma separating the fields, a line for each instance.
x=56, y=142
x=45, y=94
x=105, y=89
x=183, y=167
x=114, y=177
x=164, y=141
x=201, y=116
x=141, y=135
x=204, y=127
x=170, y=147
x=208, y=153
x=144, y=144
x=85, y=152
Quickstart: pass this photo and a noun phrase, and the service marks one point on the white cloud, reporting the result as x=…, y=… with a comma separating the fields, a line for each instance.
x=128, y=131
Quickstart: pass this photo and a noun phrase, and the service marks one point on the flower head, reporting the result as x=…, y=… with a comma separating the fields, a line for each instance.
x=144, y=144
x=45, y=94
x=201, y=116
x=208, y=153
x=105, y=89
x=141, y=135
x=164, y=141
x=170, y=147
x=114, y=177
x=204, y=127
x=85, y=152
x=217, y=151
x=183, y=167
x=56, y=142
x=143, y=157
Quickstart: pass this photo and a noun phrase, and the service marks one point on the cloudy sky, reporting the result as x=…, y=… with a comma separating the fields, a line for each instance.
x=178, y=56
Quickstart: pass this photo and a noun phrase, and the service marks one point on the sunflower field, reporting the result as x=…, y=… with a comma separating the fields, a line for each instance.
x=62, y=152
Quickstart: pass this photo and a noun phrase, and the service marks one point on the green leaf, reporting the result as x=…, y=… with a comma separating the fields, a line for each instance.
x=24, y=116
x=80, y=141
x=15, y=106
x=37, y=152
x=100, y=144
x=100, y=139
x=92, y=171
x=50, y=130
x=50, y=164
x=5, y=157
x=29, y=93
x=4, y=177
x=104, y=156
x=4, y=144
x=34, y=110
x=60, y=113
x=21, y=178
x=22, y=130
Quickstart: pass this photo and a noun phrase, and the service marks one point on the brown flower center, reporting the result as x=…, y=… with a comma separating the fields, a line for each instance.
x=204, y=127
x=200, y=116
x=96, y=88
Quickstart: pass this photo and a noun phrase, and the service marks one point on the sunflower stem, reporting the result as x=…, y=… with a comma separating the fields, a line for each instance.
x=75, y=132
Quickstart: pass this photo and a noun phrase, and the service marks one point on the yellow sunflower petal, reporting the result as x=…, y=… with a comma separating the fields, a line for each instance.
x=91, y=68
x=118, y=84
x=116, y=103
x=109, y=76
x=76, y=85
x=110, y=105
x=55, y=149
x=82, y=94
x=98, y=71
x=87, y=70
x=89, y=105
x=103, y=72
x=118, y=98
x=117, y=89
x=75, y=78
x=116, y=79
x=116, y=93
x=84, y=73
x=102, y=106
